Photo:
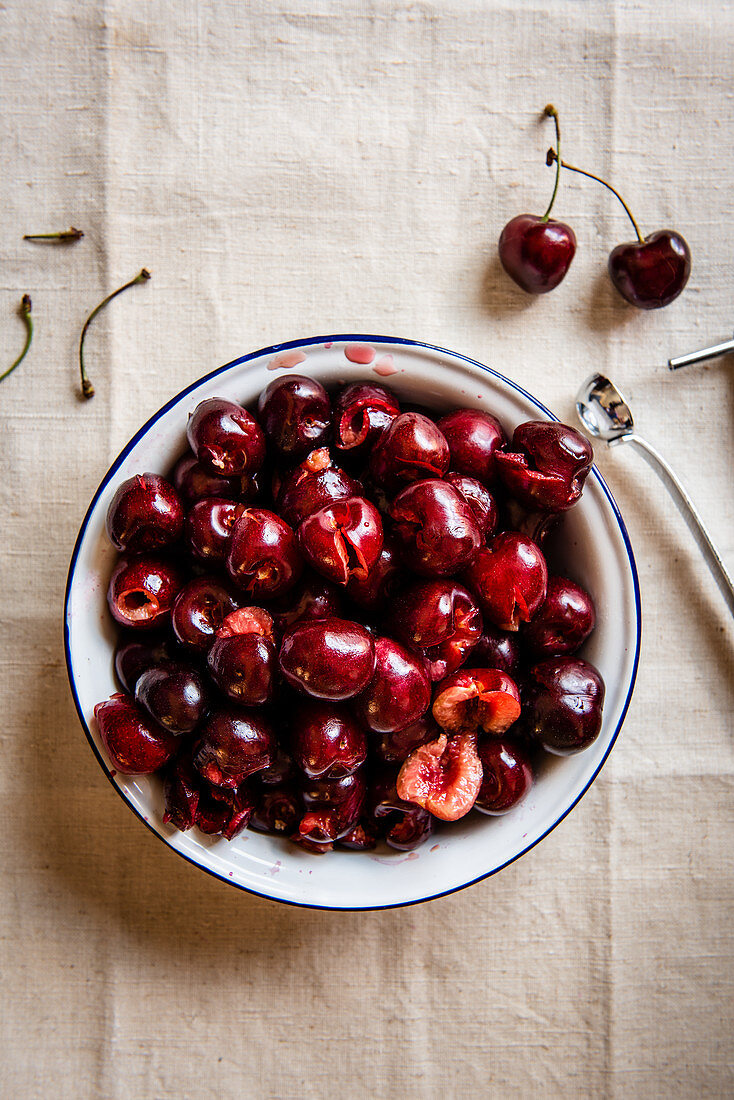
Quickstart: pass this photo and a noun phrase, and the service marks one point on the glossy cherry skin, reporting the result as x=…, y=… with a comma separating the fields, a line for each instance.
x=498, y=649
x=546, y=464
x=326, y=742
x=181, y=789
x=362, y=837
x=564, y=621
x=313, y=485
x=313, y=597
x=174, y=695
x=362, y=412
x=441, y=620
x=208, y=528
x=507, y=775
x=474, y=437
x=404, y=825
x=243, y=667
x=435, y=527
x=333, y=806
x=146, y=513
x=411, y=449
x=225, y=438
x=342, y=540
x=142, y=591
x=135, y=743
x=224, y=812
x=562, y=704
x=134, y=655
x=193, y=483
x=394, y=748
x=510, y=580
x=443, y=776
x=383, y=581
x=234, y=744
x=263, y=560
x=651, y=273
x=479, y=499
x=536, y=253
x=480, y=699
x=399, y=692
x=330, y=659
x=200, y=609
x=295, y=413
x=278, y=809
x=536, y=524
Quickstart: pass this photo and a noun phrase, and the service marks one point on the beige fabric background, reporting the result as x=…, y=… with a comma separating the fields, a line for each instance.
x=286, y=169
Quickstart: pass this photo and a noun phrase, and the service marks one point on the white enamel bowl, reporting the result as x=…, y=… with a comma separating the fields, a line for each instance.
x=596, y=553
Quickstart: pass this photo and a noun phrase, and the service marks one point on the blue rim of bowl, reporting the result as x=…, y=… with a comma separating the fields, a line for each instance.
x=291, y=344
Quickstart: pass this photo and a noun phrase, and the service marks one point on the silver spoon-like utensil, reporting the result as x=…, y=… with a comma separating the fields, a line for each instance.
x=606, y=415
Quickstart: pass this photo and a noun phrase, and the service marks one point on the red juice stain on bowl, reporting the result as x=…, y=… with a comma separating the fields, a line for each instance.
x=286, y=360
x=385, y=366
x=359, y=353
x=329, y=344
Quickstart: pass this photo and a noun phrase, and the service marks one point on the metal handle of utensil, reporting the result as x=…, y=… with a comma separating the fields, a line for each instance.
x=701, y=355
x=688, y=510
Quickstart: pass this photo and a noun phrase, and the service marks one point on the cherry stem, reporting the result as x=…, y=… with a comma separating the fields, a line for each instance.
x=87, y=387
x=25, y=312
x=71, y=234
x=551, y=156
x=551, y=112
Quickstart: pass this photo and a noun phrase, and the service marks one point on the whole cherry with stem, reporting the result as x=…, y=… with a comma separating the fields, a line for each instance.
x=537, y=251
x=649, y=272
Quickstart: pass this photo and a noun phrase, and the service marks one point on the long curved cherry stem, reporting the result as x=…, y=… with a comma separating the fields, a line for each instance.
x=25, y=312
x=551, y=156
x=551, y=112
x=87, y=387
x=71, y=234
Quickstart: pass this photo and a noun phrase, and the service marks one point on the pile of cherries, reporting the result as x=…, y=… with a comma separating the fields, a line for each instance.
x=337, y=619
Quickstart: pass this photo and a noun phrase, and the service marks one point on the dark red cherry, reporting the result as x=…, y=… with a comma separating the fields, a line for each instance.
x=510, y=579
x=399, y=692
x=200, y=609
x=193, y=482
x=134, y=655
x=564, y=621
x=546, y=464
x=313, y=485
x=435, y=527
x=313, y=597
x=441, y=620
x=330, y=659
x=481, y=699
x=326, y=741
x=142, y=591
x=223, y=811
x=536, y=524
x=507, y=775
x=411, y=449
x=361, y=838
x=474, y=437
x=263, y=560
x=404, y=825
x=536, y=252
x=278, y=809
x=562, y=704
x=342, y=540
x=145, y=514
x=135, y=743
x=209, y=526
x=394, y=748
x=295, y=413
x=234, y=744
x=173, y=694
x=333, y=807
x=385, y=578
x=225, y=438
x=181, y=788
x=479, y=499
x=362, y=412
x=651, y=273
x=497, y=649
x=242, y=660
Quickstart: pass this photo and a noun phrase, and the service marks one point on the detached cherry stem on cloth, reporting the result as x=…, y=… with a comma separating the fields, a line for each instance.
x=87, y=387
x=25, y=312
x=65, y=235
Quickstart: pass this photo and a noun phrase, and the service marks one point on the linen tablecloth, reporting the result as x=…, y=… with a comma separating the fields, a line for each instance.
x=291, y=168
